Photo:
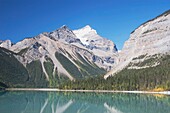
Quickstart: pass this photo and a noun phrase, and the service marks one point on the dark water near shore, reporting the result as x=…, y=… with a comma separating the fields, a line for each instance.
x=61, y=102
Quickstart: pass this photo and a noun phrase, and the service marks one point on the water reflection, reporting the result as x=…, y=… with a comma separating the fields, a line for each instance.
x=111, y=109
x=58, y=102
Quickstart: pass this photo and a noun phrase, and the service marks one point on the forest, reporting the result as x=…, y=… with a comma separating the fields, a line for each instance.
x=153, y=78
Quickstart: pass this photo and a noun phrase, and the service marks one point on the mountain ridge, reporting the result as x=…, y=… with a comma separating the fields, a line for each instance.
x=150, y=38
x=164, y=13
x=65, y=35
x=56, y=54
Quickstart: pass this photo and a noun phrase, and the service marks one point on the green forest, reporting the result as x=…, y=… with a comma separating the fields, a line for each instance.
x=153, y=78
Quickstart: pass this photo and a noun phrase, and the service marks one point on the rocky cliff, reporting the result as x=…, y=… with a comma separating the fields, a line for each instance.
x=150, y=38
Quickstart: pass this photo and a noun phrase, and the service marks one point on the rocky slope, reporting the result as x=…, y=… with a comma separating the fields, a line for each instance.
x=152, y=37
x=103, y=50
x=98, y=45
x=53, y=57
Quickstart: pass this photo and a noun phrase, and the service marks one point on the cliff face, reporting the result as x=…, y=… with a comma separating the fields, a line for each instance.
x=152, y=37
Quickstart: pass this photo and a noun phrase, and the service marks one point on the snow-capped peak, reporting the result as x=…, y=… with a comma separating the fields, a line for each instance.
x=85, y=33
x=85, y=30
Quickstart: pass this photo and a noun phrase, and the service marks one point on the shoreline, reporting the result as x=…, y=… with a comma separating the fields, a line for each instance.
x=92, y=91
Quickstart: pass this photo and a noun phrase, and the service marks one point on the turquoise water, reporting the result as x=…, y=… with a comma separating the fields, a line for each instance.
x=60, y=102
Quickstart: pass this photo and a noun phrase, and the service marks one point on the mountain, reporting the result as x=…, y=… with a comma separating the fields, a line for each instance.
x=78, y=59
x=149, y=40
x=50, y=58
x=5, y=44
x=98, y=45
x=12, y=72
x=92, y=40
x=142, y=64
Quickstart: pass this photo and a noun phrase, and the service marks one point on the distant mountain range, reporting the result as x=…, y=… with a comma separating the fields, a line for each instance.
x=53, y=58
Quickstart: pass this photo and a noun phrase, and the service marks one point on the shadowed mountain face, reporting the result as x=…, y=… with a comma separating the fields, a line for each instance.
x=58, y=102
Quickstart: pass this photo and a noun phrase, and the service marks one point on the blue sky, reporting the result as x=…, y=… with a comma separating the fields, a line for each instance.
x=113, y=19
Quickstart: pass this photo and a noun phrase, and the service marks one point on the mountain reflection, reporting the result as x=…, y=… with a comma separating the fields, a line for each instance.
x=61, y=109
x=60, y=102
x=111, y=109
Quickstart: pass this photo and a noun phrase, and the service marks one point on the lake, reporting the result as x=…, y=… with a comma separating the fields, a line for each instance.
x=70, y=102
